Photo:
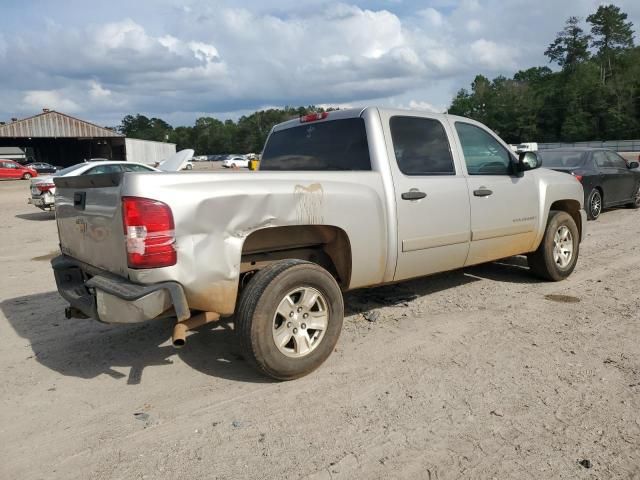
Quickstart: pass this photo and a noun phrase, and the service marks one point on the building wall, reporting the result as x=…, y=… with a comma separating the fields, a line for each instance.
x=145, y=151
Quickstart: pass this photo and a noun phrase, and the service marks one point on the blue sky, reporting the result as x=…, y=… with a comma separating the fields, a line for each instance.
x=181, y=59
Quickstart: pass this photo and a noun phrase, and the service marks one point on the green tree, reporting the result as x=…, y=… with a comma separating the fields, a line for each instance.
x=611, y=34
x=570, y=46
x=141, y=127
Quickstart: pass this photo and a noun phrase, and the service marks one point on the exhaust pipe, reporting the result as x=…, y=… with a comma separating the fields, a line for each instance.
x=179, y=337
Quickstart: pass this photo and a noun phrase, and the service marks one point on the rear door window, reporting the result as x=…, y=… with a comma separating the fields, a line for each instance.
x=332, y=145
x=421, y=146
x=601, y=159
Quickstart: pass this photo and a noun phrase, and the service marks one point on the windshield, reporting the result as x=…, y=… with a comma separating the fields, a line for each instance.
x=334, y=145
x=64, y=171
x=551, y=158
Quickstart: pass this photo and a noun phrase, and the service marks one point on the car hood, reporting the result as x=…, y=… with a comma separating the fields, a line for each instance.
x=176, y=162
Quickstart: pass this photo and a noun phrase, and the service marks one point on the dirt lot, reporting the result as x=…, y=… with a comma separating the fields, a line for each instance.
x=478, y=373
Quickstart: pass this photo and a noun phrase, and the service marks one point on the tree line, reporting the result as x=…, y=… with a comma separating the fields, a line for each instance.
x=594, y=94
x=212, y=136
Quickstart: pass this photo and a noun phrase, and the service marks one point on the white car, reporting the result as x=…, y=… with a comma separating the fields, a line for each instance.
x=234, y=162
x=43, y=189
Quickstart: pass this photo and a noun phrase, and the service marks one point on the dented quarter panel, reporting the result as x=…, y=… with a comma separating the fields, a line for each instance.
x=215, y=212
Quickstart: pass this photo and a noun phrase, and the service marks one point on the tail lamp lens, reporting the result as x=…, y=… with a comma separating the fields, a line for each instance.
x=150, y=233
x=45, y=187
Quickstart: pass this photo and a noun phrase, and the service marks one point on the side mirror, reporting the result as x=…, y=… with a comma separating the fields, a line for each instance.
x=528, y=161
x=633, y=165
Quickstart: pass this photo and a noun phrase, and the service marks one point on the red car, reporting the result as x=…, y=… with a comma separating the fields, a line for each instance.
x=11, y=169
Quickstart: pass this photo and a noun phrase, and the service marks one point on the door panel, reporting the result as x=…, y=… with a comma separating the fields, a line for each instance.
x=624, y=179
x=432, y=198
x=608, y=178
x=4, y=171
x=504, y=207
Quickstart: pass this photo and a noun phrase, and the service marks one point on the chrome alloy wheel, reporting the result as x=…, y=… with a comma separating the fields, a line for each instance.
x=636, y=199
x=596, y=204
x=563, y=246
x=300, y=322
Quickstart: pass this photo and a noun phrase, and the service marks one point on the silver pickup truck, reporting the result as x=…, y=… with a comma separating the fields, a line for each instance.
x=343, y=200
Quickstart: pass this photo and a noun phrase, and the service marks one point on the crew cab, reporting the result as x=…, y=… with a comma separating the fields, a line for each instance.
x=343, y=200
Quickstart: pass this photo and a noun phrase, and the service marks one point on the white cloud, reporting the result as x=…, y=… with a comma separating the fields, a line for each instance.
x=168, y=59
x=97, y=91
x=53, y=99
x=489, y=54
x=433, y=17
x=426, y=106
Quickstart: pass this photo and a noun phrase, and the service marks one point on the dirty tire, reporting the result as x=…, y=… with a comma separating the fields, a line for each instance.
x=594, y=204
x=26, y=176
x=542, y=262
x=256, y=315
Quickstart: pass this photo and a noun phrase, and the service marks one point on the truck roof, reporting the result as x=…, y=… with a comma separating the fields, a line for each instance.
x=357, y=112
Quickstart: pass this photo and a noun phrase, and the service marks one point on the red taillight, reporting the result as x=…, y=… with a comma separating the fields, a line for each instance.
x=314, y=117
x=45, y=187
x=149, y=232
x=578, y=177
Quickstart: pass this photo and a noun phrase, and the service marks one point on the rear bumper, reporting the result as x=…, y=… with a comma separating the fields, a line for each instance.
x=112, y=299
x=43, y=201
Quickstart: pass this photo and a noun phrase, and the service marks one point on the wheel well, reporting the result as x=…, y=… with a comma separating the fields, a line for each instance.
x=572, y=207
x=325, y=245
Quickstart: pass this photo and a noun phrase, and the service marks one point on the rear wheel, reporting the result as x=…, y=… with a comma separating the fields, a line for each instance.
x=594, y=204
x=289, y=318
x=26, y=176
x=557, y=254
x=636, y=199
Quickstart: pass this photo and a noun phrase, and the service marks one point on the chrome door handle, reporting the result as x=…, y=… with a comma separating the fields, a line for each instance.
x=413, y=195
x=482, y=192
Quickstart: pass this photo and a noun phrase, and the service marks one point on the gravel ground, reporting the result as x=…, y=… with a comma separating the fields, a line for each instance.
x=479, y=373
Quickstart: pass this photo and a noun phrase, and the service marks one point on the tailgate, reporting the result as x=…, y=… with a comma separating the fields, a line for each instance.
x=89, y=218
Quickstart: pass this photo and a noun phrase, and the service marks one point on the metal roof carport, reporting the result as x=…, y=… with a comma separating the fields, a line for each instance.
x=60, y=139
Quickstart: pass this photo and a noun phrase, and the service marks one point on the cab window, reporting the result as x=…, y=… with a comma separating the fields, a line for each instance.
x=421, y=146
x=483, y=154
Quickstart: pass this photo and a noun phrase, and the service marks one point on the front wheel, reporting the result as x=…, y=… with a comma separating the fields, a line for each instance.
x=26, y=176
x=594, y=204
x=557, y=254
x=289, y=318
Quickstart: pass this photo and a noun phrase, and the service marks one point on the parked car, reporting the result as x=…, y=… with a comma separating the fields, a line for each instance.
x=239, y=162
x=349, y=199
x=42, y=167
x=43, y=189
x=607, y=178
x=11, y=169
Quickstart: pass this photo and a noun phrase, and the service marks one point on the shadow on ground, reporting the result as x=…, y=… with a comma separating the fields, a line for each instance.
x=508, y=270
x=37, y=216
x=86, y=348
